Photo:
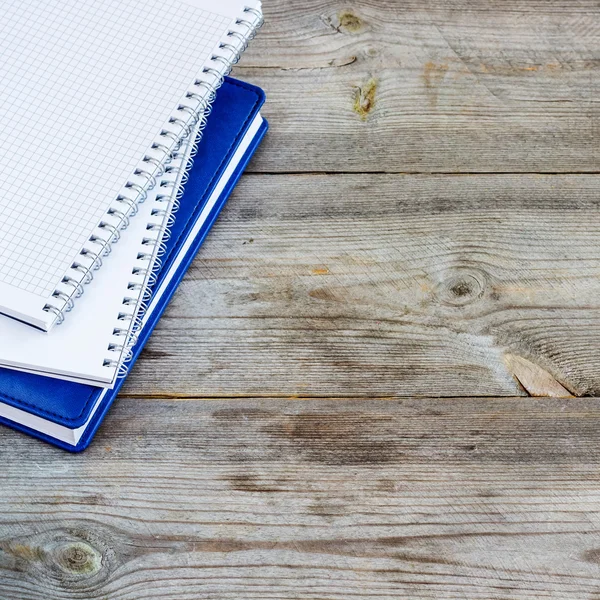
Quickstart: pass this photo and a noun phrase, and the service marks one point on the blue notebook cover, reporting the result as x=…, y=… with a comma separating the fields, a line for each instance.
x=235, y=115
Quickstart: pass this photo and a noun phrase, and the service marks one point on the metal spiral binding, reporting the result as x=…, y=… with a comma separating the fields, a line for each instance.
x=190, y=118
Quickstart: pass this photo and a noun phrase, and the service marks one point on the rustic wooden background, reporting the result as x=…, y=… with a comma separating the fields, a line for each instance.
x=377, y=380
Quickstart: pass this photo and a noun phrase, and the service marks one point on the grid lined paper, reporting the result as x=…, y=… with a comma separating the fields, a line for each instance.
x=87, y=86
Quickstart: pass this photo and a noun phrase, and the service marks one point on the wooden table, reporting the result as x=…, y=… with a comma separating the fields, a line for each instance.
x=377, y=379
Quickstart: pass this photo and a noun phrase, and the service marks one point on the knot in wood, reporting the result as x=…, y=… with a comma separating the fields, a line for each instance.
x=349, y=22
x=462, y=287
x=78, y=558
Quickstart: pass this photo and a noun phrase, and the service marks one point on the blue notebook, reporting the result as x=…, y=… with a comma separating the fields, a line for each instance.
x=68, y=414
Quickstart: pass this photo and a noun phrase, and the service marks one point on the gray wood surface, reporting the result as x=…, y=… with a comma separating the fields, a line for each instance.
x=342, y=399
x=354, y=285
x=429, y=85
x=337, y=499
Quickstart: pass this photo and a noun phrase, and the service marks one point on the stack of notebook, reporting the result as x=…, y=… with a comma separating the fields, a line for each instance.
x=120, y=140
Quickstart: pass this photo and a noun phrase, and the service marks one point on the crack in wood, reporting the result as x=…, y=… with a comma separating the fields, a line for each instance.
x=535, y=380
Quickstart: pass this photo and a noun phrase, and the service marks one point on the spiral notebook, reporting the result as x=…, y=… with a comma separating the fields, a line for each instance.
x=96, y=97
x=97, y=126
x=92, y=344
x=68, y=414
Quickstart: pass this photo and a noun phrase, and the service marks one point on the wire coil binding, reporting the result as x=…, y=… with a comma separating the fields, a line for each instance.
x=188, y=119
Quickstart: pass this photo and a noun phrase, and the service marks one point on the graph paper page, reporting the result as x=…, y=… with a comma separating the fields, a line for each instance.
x=87, y=86
x=93, y=319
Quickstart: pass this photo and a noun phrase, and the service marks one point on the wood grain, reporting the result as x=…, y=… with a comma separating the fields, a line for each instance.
x=335, y=274
x=421, y=499
x=428, y=86
x=379, y=285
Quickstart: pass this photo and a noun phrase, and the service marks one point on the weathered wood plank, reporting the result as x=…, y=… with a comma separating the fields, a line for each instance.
x=431, y=86
x=363, y=286
x=382, y=285
x=420, y=499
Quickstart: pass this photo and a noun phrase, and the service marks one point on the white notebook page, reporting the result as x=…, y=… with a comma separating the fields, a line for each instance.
x=87, y=86
x=78, y=348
